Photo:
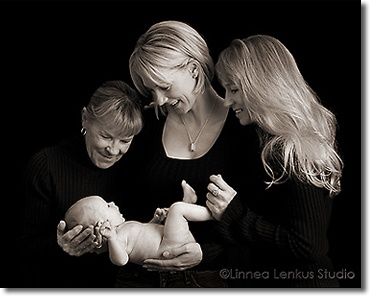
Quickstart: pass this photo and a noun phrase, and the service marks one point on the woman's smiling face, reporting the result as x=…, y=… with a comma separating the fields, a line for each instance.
x=104, y=145
x=176, y=92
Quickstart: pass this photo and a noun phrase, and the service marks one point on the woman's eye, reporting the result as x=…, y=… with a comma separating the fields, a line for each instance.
x=125, y=141
x=165, y=88
x=233, y=91
x=106, y=137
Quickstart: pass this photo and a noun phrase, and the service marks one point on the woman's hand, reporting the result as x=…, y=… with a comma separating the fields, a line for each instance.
x=177, y=259
x=76, y=242
x=219, y=196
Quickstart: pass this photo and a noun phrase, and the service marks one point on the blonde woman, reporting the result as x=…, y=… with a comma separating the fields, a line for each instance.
x=192, y=138
x=57, y=176
x=285, y=221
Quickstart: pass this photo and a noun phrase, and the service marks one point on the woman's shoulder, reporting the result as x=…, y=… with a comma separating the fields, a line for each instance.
x=63, y=148
x=44, y=153
x=301, y=189
x=245, y=136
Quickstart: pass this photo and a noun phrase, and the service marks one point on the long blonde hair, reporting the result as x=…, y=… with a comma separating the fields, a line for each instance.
x=299, y=132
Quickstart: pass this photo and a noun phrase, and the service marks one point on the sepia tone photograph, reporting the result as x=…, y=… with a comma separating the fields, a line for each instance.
x=184, y=144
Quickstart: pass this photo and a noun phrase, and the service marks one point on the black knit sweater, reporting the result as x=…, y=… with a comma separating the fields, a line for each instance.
x=281, y=231
x=56, y=177
x=160, y=177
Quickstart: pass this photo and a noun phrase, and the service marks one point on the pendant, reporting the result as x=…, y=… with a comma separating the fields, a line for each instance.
x=192, y=147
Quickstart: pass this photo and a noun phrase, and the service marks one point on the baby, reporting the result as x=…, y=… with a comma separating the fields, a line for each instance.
x=134, y=241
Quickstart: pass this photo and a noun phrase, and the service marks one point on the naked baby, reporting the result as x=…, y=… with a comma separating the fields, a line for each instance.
x=135, y=241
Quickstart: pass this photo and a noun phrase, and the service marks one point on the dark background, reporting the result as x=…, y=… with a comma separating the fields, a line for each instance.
x=54, y=54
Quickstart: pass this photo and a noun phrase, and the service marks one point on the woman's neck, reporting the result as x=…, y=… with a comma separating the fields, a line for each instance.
x=204, y=105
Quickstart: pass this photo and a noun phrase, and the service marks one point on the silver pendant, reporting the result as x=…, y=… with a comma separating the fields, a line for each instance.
x=192, y=147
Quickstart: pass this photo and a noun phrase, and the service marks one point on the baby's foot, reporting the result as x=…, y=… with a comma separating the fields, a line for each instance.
x=189, y=194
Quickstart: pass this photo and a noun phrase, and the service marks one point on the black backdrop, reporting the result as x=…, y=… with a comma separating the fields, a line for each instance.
x=54, y=54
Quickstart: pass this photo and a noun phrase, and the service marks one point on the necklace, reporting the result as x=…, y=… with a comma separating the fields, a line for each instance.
x=193, y=142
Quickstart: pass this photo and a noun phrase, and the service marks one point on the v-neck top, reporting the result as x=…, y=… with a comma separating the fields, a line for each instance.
x=158, y=182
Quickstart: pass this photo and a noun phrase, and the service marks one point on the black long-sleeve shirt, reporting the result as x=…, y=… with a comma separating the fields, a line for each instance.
x=282, y=231
x=160, y=176
x=55, y=178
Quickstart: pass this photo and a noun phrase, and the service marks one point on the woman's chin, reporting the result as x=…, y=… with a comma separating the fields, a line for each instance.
x=104, y=165
x=244, y=121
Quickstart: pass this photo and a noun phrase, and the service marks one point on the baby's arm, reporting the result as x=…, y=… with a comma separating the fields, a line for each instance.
x=117, y=251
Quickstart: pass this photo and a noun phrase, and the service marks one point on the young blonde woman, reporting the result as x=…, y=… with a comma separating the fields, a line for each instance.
x=283, y=215
x=192, y=138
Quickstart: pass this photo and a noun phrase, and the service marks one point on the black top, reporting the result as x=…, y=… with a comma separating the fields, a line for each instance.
x=161, y=176
x=281, y=231
x=56, y=177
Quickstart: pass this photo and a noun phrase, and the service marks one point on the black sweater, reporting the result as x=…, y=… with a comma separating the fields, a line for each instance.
x=160, y=177
x=281, y=231
x=56, y=177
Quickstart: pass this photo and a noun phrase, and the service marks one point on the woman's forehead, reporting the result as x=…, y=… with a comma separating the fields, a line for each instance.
x=108, y=126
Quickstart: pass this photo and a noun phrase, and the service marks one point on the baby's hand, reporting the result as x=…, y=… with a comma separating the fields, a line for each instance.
x=106, y=230
x=160, y=215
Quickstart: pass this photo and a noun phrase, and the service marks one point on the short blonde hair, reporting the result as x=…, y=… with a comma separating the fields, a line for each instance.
x=169, y=44
x=116, y=103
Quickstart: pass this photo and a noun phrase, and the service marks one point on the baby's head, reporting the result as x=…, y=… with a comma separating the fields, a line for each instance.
x=89, y=210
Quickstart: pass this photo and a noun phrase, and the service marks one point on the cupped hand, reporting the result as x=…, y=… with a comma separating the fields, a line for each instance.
x=76, y=241
x=176, y=259
x=219, y=196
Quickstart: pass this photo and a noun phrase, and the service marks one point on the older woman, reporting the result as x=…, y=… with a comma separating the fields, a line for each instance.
x=60, y=175
x=284, y=218
x=191, y=139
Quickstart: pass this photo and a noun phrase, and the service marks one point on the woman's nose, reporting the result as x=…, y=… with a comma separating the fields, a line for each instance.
x=228, y=102
x=114, y=148
x=111, y=150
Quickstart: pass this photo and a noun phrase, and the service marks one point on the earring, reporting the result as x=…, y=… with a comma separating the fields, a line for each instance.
x=83, y=131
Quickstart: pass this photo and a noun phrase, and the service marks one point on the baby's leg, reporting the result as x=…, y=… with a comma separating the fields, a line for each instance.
x=176, y=230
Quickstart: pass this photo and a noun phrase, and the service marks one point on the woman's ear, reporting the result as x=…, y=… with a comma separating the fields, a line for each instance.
x=83, y=116
x=193, y=67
